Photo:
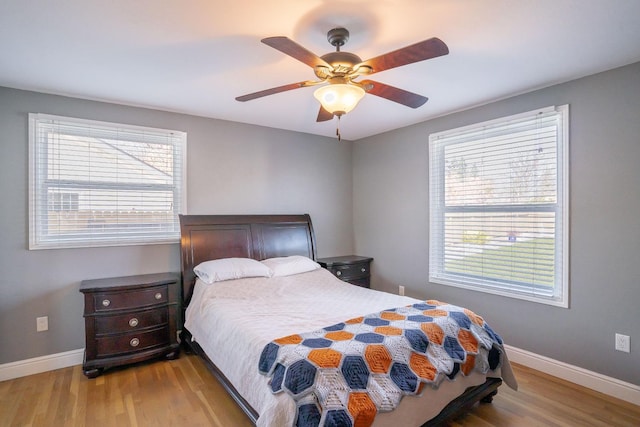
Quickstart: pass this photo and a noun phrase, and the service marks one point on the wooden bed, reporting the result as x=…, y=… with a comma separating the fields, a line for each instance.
x=208, y=237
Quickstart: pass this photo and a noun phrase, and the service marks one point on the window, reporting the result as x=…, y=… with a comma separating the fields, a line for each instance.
x=499, y=206
x=103, y=184
x=63, y=202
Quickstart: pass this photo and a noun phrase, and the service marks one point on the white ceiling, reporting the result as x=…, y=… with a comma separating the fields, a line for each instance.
x=196, y=56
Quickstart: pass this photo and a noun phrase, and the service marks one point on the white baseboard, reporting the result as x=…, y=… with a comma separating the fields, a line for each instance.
x=593, y=380
x=22, y=368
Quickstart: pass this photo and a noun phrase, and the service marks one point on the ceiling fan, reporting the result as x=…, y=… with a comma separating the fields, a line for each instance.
x=337, y=73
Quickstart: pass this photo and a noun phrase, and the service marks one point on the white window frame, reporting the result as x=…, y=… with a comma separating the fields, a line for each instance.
x=437, y=274
x=140, y=233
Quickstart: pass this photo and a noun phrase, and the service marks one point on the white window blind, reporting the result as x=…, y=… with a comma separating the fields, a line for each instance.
x=499, y=206
x=103, y=184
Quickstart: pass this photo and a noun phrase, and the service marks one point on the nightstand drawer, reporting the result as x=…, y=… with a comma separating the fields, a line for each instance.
x=134, y=341
x=350, y=268
x=363, y=282
x=106, y=325
x=350, y=271
x=112, y=301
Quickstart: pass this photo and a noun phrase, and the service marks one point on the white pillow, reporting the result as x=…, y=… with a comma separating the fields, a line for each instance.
x=230, y=268
x=286, y=266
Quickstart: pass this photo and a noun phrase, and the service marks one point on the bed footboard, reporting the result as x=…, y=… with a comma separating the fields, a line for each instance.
x=483, y=393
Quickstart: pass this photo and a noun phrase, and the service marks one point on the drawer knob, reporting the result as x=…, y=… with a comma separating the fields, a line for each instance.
x=106, y=303
x=363, y=269
x=158, y=295
x=134, y=342
x=338, y=273
x=133, y=322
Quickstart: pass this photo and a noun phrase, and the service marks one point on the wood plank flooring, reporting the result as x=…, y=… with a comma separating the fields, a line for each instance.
x=168, y=393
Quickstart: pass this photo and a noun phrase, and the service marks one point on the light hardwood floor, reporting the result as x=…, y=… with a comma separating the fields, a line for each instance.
x=183, y=392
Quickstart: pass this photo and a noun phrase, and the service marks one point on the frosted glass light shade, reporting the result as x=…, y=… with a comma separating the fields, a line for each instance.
x=339, y=98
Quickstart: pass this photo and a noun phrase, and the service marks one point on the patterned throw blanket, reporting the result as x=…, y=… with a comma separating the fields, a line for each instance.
x=343, y=375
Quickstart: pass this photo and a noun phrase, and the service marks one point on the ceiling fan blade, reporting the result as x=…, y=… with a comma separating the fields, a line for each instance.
x=394, y=94
x=324, y=115
x=293, y=49
x=274, y=90
x=420, y=51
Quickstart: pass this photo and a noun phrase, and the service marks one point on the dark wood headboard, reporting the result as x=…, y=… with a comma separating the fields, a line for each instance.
x=208, y=237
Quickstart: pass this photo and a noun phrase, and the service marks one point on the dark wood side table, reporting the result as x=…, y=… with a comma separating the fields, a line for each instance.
x=351, y=268
x=130, y=319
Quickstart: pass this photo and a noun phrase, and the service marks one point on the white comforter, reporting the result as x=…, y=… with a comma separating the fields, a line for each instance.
x=233, y=320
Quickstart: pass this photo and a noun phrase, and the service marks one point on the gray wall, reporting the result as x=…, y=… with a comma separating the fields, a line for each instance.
x=391, y=220
x=232, y=168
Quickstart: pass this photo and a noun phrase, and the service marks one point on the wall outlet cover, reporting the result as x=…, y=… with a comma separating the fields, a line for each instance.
x=623, y=343
x=42, y=324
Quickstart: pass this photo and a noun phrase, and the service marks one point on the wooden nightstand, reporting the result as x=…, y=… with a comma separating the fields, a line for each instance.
x=351, y=268
x=129, y=319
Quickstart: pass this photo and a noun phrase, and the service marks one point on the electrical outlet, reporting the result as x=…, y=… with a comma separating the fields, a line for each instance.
x=623, y=343
x=401, y=290
x=42, y=324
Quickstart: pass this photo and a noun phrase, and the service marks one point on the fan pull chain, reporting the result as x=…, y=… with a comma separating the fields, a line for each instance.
x=338, y=130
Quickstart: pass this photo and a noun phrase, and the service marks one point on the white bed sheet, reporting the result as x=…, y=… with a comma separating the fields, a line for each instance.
x=233, y=320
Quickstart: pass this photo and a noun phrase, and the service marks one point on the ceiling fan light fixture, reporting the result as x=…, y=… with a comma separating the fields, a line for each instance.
x=339, y=98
